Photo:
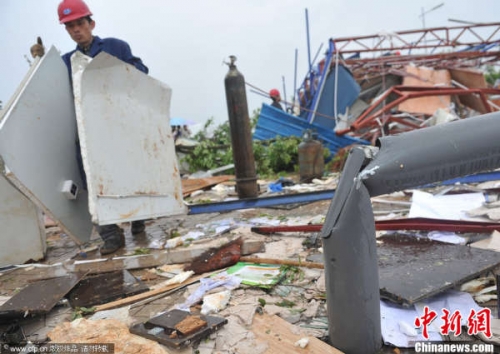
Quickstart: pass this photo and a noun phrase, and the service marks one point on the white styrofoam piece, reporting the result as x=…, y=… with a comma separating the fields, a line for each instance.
x=23, y=231
x=126, y=140
x=37, y=145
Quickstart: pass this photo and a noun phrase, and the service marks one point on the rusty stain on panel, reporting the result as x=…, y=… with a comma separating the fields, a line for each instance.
x=130, y=214
x=150, y=193
x=162, y=139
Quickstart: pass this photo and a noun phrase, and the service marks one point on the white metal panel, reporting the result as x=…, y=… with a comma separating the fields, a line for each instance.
x=22, y=234
x=126, y=139
x=37, y=144
x=20, y=87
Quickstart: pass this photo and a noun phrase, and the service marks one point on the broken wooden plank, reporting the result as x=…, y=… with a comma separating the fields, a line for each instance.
x=38, y=298
x=216, y=257
x=97, y=266
x=282, y=262
x=281, y=336
x=470, y=78
x=139, y=297
x=194, y=184
x=103, y=288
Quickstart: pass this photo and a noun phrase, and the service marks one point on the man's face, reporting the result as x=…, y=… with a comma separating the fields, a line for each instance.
x=80, y=31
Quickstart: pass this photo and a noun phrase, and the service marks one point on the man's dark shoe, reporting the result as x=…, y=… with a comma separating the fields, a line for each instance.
x=138, y=227
x=113, y=244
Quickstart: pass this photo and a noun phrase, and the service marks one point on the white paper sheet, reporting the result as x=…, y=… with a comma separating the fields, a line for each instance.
x=448, y=207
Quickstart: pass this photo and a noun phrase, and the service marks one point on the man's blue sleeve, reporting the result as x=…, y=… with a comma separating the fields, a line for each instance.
x=126, y=56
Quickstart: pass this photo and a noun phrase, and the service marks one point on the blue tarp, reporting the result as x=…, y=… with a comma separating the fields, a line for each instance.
x=274, y=122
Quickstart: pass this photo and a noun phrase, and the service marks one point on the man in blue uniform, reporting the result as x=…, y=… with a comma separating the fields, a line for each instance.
x=76, y=17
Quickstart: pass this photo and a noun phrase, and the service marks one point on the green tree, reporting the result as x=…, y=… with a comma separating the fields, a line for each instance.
x=491, y=75
x=214, y=150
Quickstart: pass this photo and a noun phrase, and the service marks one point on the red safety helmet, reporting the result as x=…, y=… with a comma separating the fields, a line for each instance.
x=274, y=93
x=70, y=10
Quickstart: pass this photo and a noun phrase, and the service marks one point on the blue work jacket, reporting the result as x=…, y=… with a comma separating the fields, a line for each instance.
x=115, y=47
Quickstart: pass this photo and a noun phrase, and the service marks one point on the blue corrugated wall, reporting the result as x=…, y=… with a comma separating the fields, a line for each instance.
x=273, y=122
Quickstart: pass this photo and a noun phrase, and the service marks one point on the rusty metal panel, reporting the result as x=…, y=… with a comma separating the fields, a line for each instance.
x=23, y=231
x=412, y=268
x=126, y=140
x=37, y=145
x=38, y=298
x=471, y=79
x=102, y=288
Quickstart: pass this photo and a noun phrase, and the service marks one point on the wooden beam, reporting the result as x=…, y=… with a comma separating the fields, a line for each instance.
x=97, y=266
x=282, y=262
x=281, y=336
x=139, y=297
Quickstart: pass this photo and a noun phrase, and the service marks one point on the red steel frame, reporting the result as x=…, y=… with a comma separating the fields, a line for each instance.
x=368, y=68
x=464, y=41
x=369, y=118
x=421, y=224
x=419, y=39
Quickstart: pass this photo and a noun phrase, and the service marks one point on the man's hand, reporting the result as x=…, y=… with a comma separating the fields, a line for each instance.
x=37, y=50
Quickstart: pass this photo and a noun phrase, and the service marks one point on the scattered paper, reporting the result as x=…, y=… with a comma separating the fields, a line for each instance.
x=214, y=303
x=206, y=284
x=448, y=207
x=393, y=315
x=447, y=237
x=262, y=275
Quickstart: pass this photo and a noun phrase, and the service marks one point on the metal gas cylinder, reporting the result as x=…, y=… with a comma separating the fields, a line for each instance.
x=241, y=133
x=311, y=161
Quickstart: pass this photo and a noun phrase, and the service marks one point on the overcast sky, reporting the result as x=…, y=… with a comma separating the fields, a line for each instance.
x=184, y=43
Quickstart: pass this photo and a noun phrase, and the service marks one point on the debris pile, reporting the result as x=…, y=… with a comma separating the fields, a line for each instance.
x=273, y=295
x=376, y=85
x=411, y=79
x=255, y=275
